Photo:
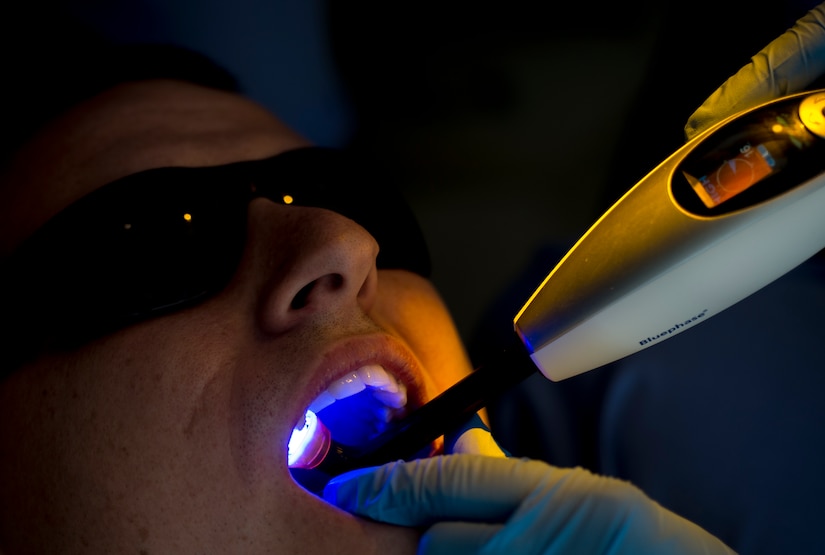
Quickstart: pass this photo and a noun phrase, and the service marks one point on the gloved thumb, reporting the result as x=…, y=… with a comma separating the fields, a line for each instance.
x=473, y=438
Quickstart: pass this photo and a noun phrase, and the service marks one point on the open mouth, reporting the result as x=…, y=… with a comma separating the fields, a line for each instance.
x=351, y=412
x=359, y=406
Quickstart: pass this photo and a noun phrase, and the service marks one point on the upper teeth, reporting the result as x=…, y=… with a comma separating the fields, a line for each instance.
x=389, y=391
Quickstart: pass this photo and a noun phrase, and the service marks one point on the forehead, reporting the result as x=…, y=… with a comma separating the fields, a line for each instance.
x=129, y=128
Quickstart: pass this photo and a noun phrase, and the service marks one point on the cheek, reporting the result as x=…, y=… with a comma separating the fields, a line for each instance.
x=113, y=445
x=409, y=305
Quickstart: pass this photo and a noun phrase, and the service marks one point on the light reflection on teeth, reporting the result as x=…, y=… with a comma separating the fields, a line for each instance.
x=346, y=386
x=375, y=376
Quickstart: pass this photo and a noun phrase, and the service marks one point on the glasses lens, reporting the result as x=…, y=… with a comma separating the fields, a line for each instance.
x=360, y=189
x=165, y=238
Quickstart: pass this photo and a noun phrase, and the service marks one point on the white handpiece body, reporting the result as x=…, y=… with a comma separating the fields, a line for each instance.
x=729, y=212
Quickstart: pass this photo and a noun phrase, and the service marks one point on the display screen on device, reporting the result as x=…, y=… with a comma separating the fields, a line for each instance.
x=733, y=175
x=745, y=153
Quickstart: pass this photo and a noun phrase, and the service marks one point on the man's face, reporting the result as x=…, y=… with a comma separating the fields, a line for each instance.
x=170, y=436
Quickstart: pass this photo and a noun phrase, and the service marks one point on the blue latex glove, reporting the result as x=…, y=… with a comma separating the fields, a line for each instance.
x=491, y=504
x=789, y=64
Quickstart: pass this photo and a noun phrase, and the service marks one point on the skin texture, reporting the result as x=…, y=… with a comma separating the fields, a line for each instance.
x=170, y=436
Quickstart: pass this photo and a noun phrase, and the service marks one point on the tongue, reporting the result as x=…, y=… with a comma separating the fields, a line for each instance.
x=356, y=419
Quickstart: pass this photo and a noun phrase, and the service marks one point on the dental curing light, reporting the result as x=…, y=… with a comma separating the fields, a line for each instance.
x=309, y=443
x=729, y=212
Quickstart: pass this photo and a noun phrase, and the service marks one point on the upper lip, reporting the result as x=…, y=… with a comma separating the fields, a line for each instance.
x=352, y=353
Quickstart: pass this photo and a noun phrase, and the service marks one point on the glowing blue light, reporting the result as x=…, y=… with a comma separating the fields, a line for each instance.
x=301, y=437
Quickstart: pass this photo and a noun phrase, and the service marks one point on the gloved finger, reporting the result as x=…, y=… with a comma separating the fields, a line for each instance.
x=543, y=509
x=449, y=538
x=474, y=437
x=421, y=492
x=787, y=65
x=477, y=441
x=575, y=511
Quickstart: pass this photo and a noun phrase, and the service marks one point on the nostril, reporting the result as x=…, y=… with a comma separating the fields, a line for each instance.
x=300, y=298
x=331, y=282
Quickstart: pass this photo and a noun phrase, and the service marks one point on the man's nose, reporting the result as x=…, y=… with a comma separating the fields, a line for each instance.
x=317, y=263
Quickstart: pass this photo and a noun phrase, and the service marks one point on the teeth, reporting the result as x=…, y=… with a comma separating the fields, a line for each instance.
x=347, y=386
x=375, y=376
x=394, y=399
x=384, y=386
x=321, y=402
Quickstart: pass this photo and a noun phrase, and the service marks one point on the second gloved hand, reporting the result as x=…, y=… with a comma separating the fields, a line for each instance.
x=789, y=64
x=476, y=503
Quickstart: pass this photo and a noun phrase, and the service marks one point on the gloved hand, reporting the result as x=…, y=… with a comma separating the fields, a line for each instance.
x=789, y=64
x=473, y=437
x=490, y=504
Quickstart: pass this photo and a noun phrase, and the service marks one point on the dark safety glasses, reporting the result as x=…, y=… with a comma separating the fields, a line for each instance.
x=167, y=238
